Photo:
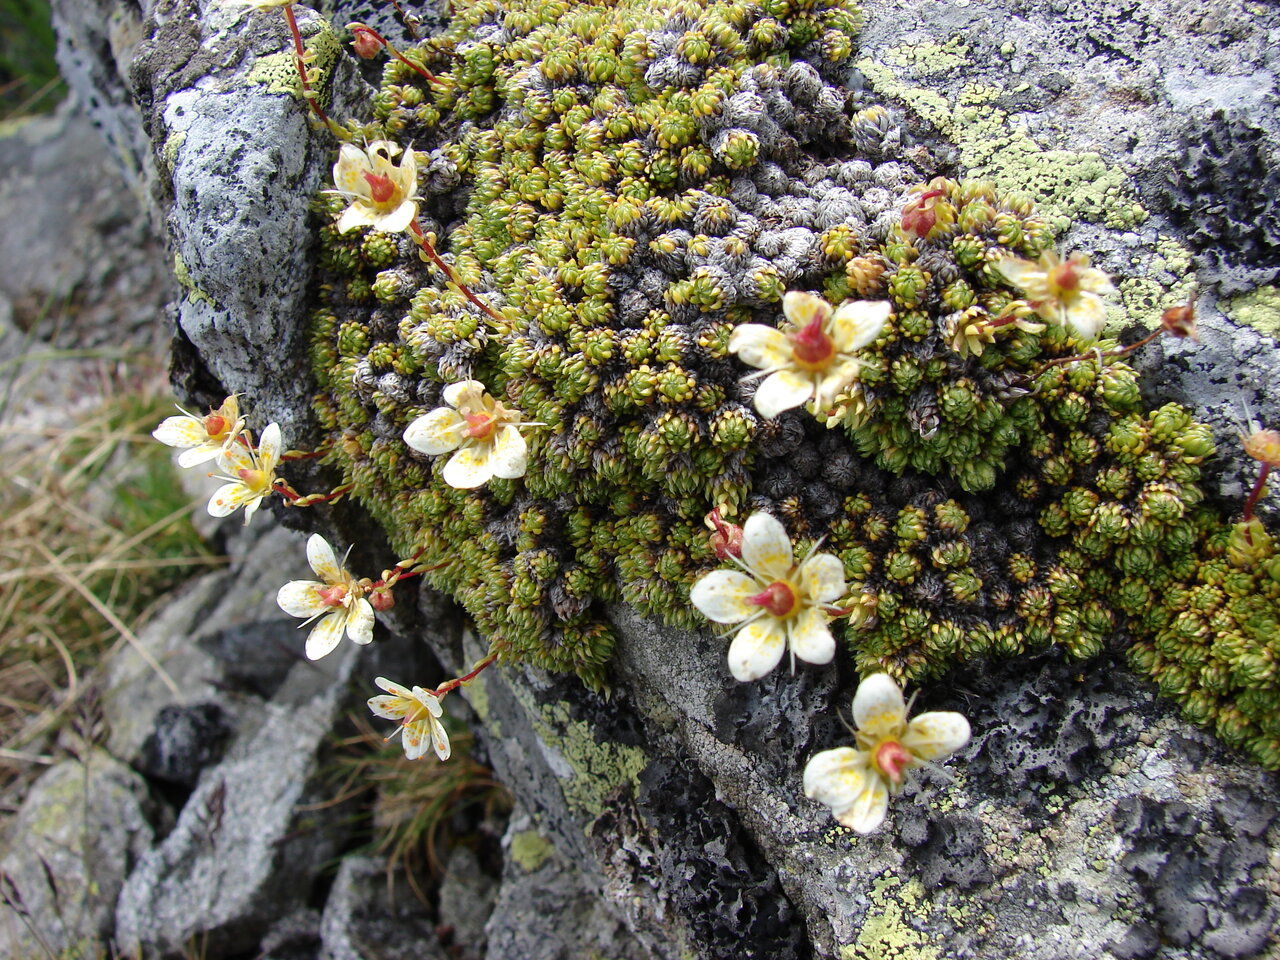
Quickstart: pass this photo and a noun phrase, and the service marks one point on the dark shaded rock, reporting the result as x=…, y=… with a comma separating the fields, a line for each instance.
x=185, y=741
x=361, y=922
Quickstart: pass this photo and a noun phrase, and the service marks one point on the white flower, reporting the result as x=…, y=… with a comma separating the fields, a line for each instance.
x=814, y=361
x=856, y=782
x=337, y=598
x=779, y=603
x=419, y=714
x=1067, y=292
x=485, y=434
x=207, y=437
x=382, y=195
x=253, y=475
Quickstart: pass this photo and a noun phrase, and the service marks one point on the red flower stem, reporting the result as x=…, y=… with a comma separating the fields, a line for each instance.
x=450, y=685
x=431, y=77
x=301, y=455
x=299, y=55
x=1123, y=351
x=1256, y=493
x=434, y=257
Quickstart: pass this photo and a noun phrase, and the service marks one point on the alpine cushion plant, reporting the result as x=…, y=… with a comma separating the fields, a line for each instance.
x=779, y=604
x=855, y=782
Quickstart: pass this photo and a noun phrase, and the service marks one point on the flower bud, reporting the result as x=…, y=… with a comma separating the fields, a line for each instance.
x=365, y=42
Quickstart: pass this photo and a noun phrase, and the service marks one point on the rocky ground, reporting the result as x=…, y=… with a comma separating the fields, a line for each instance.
x=1085, y=818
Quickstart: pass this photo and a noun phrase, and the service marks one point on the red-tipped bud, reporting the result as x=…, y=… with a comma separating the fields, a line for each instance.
x=1264, y=446
x=811, y=345
x=893, y=759
x=381, y=599
x=364, y=41
x=919, y=218
x=726, y=538
x=778, y=598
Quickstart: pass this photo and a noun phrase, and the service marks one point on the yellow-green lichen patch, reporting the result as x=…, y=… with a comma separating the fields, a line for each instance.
x=599, y=767
x=929, y=58
x=530, y=850
x=1259, y=309
x=183, y=276
x=887, y=932
x=172, y=144
x=278, y=72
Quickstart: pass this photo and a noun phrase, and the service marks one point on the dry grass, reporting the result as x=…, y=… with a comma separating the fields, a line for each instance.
x=417, y=807
x=94, y=530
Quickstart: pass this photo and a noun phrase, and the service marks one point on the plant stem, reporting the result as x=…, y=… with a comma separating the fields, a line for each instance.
x=434, y=257
x=450, y=685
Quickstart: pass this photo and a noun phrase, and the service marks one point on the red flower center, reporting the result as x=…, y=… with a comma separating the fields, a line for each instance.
x=333, y=596
x=1065, y=276
x=812, y=348
x=479, y=425
x=778, y=598
x=381, y=189
x=892, y=759
x=215, y=425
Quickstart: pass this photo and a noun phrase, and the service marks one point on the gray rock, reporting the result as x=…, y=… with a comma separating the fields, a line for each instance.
x=361, y=922
x=466, y=901
x=80, y=830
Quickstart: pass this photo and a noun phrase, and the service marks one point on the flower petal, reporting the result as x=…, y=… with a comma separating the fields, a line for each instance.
x=868, y=809
x=838, y=376
x=436, y=432
x=205, y=452
x=325, y=635
x=803, y=308
x=440, y=740
x=782, y=390
x=822, y=578
x=428, y=700
x=510, y=456
x=811, y=638
x=878, y=707
x=270, y=447
x=390, y=707
x=349, y=171
x=360, y=622
x=470, y=467
x=415, y=738
x=301, y=598
x=234, y=458
x=181, y=431
x=465, y=395
x=721, y=596
x=320, y=556
x=357, y=215
x=1088, y=315
x=766, y=548
x=1024, y=274
x=937, y=734
x=836, y=777
x=229, y=498
x=757, y=648
x=758, y=345
x=398, y=219
x=392, y=687
x=857, y=325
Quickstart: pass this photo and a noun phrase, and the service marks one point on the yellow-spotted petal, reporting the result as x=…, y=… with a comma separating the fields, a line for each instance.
x=758, y=345
x=416, y=737
x=360, y=621
x=393, y=688
x=835, y=381
x=440, y=740
x=390, y=707
x=229, y=498
x=721, y=596
x=183, y=431
x=428, y=700
x=766, y=548
x=938, y=734
x=857, y=325
x=757, y=648
x=868, y=809
x=397, y=220
x=781, y=391
x=326, y=634
x=811, y=638
x=349, y=171
x=356, y=215
x=301, y=598
x=465, y=395
x=1088, y=315
x=878, y=707
x=436, y=432
x=209, y=450
x=822, y=578
x=1024, y=274
x=269, y=448
x=836, y=777
x=470, y=467
x=323, y=562
x=510, y=456
x=803, y=308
